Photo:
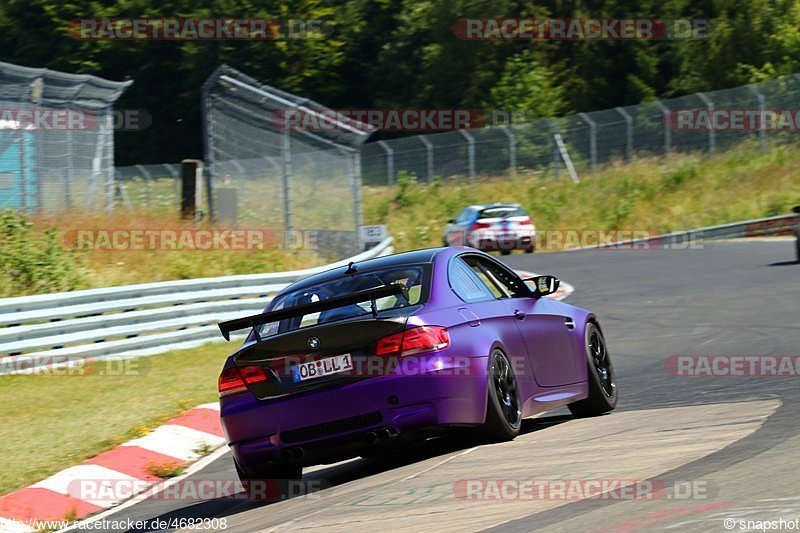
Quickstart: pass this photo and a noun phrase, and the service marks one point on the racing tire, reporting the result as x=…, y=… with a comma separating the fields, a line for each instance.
x=503, y=409
x=277, y=472
x=505, y=252
x=529, y=250
x=603, y=391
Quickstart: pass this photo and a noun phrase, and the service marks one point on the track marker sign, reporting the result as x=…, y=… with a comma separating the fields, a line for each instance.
x=372, y=235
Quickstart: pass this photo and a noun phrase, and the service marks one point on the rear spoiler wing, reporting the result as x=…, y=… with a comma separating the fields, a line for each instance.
x=369, y=295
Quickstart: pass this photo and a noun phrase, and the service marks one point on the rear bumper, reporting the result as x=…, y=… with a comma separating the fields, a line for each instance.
x=328, y=420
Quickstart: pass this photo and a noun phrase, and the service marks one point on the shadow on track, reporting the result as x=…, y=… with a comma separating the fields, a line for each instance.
x=339, y=474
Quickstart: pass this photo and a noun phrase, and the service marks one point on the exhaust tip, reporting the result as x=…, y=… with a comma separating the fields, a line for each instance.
x=285, y=454
x=371, y=437
x=298, y=452
x=384, y=434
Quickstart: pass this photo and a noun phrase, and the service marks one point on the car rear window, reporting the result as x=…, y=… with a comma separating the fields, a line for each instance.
x=502, y=212
x=413, y=277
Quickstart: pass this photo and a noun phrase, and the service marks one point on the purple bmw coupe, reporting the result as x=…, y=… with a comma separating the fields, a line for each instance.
x=360, y=359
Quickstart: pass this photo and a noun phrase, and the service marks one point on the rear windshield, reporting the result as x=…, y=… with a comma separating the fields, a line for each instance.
x=502, y=212
x=413, y=277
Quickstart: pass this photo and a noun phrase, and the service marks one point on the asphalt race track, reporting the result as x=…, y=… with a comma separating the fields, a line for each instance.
x=734, y=440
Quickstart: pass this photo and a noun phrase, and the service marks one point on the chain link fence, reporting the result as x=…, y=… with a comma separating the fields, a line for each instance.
x=150, y=186
x=265, y=174
x=590, y=139
x=56, y=140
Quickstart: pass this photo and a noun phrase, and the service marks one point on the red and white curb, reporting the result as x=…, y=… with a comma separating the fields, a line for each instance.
x=174, y=444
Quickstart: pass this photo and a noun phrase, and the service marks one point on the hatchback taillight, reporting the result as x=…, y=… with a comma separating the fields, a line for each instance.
x=420, y=339
x=234, y=380
x=479, y=225
x=525, y=222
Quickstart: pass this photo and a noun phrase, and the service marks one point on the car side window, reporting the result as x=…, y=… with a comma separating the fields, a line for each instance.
x=463, y=216
x=466, y=284
x=500, y=281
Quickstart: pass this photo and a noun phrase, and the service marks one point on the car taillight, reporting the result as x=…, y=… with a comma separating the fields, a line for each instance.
x=415, y=340
x=234, y=380
x=479, y=225
x=525, y=222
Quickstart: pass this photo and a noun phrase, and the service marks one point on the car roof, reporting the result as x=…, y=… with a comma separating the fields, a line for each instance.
x=426, y=255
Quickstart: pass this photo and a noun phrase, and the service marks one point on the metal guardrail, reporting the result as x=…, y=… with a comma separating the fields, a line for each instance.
x=777, y=225
x=136, y=320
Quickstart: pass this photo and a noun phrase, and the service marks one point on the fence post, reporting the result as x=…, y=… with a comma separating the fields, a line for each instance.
x=69, y=175
x=556, y=155
x=628, y=132
x=108, y=163
x=712, y=139
x=68, y=187
x=208, y=135
x=762, y=100
x=176, y=181
x=592, y=139
x=147, y=185
x=286, y=152
x=512, y=149
x=470, y=153
x=389, y=162
x=429, y=148
x=120, y=190
x=356, y=185
x=189, y=188
x=667, y=131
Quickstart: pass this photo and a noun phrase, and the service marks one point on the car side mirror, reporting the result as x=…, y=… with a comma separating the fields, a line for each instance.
x=451, y=221
x=796, y=209
x=543, y=285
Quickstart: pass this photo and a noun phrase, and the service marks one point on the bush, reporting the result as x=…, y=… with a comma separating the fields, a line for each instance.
x=34, y=262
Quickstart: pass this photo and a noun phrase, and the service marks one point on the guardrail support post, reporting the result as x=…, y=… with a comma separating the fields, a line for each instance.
x=470, y=153
x=429, y=148
x=628, y=132
x=592, y=139
x=712, y=138
x=512, y=149
x=389, y=162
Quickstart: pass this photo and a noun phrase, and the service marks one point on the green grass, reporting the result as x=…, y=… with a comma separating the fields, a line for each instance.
x=650, y=194
x=51, y=422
